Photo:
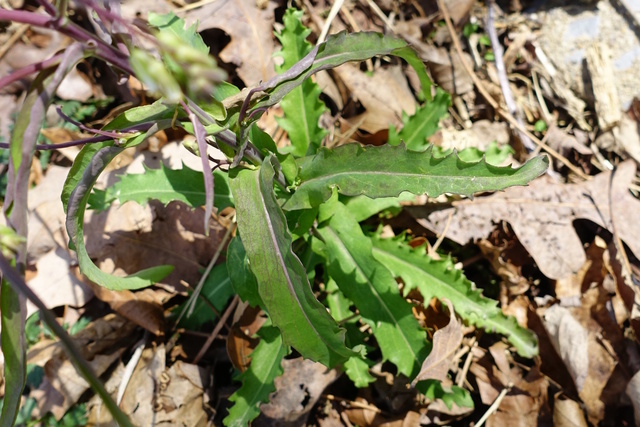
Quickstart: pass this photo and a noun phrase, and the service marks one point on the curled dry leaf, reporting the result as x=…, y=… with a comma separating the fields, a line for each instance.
x=446, y=342
x=241, y=340
x=542, y=216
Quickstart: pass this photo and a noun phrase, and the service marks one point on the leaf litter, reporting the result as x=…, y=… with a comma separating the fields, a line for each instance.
x=577, y=291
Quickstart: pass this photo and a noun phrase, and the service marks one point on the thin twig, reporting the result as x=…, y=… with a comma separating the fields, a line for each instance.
x=130, y=368
x=495, y=405
x=216, y=330
x=442, y=235
x=223, y=244
x=492, y=102
x=376, y=9
x=502, y=74
x=462, y=375
x=22, y=28
x=327, y=24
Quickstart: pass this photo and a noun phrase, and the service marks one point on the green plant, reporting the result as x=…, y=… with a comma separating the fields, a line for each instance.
x=297, y=208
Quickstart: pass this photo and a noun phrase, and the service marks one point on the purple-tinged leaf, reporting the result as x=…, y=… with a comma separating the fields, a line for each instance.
x=282, y=279
x=201, y=135
x=22, y=147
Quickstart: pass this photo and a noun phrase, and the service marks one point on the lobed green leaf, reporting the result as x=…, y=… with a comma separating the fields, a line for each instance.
x=166, y=185
x=302, y=107
x=373, y=290
x=257, y=381
x=387, y=171
x=357, y=370
x=188, y=35
x=282, y=279
x=440, y=279
x=422, y=124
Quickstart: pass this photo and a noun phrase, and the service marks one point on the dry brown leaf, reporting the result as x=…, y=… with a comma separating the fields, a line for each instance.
x=168, y=396
x=633, y=391
x=183, y=398
x=54, y=268
x=144, y=308
x=576, y=337
x=385, y=95
x=241, y=340
x=47, y=229
x=542, y=216
x=480, y=135
x=525, y=404
x=568, y=413
x=366, y=417
x=446, y=342
x=138, y=399
x=102, y=342
x=297, y=391
x=251, y=30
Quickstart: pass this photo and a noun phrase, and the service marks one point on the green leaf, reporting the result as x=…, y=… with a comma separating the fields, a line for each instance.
x=282, y=279
x=433, y=390
x=441, y=280
x=357, y=370
x=494, y=154
x=374, y=292
x=216, y=290
x=422, y=124
x=257, y=381
x=165, y=185
x=14, y=351
x=363, y=207
x=242, y=278
x=139, y=115
x=339, y=49
x=387, y=171
x=84, y=179
x=302, y=107
x=176, y=26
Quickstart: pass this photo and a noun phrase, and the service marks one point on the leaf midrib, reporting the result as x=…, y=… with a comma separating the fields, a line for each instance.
x=491, y=321
x=375, y=291
x=283, y=265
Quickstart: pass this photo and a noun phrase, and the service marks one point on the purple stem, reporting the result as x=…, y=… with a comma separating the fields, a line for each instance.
x=48, y=7
x=201, y=138
x=64, y=144
x=30, y=69
x=113, y=135
x=66, y=27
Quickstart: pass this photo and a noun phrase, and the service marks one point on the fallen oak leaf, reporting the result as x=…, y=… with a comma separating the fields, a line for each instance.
x=542, y=216
x=251, y=30
x=445, y=343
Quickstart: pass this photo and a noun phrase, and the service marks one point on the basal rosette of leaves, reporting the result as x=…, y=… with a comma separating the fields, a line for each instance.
x=306, y=193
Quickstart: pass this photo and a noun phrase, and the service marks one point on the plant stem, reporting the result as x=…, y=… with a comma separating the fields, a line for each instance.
x=81, y=365
x=68, y=28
